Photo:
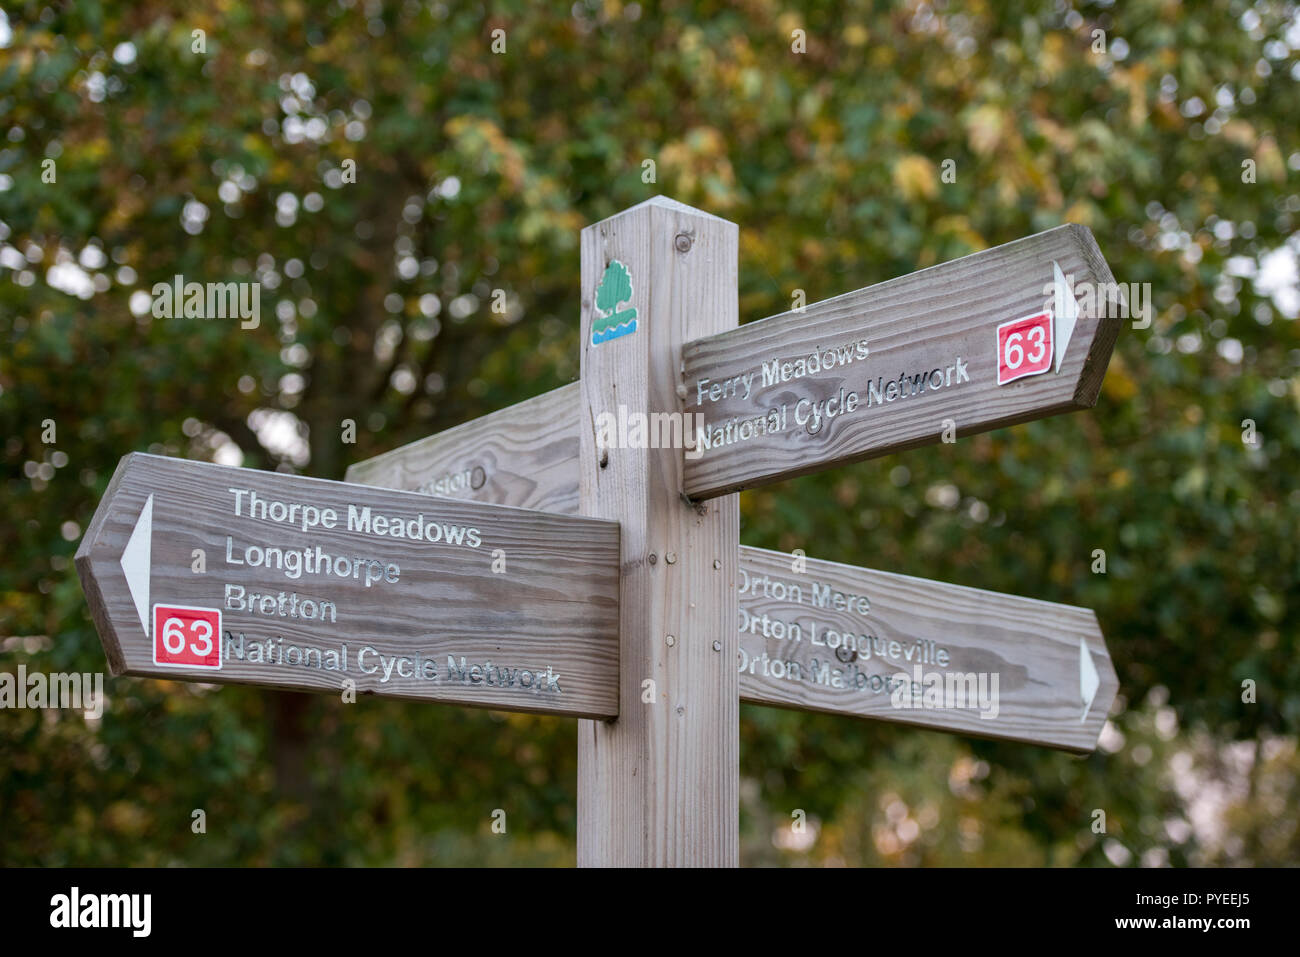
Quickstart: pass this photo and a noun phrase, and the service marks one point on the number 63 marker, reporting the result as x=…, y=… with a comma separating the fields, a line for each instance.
x=1026, y=345
x=187, y=637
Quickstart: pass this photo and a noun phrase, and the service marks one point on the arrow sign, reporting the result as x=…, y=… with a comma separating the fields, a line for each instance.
x=965, y=347
x=206, y=573
x=1030, y=645
x=1089, y=680
x=136, y=562
x=873, y=644
x=1066, y=312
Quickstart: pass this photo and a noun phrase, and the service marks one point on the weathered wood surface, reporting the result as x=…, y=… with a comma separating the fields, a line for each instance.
x=837, y=638
x=943, y=318
x=982, y=626
x=953, y=308
x=660, y=785
x=507, y=458
x=537, y=468
x=554, y=607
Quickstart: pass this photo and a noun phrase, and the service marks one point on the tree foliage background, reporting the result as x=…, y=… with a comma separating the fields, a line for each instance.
x=822, y=131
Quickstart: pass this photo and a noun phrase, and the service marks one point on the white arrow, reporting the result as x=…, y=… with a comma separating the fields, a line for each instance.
x=1066, y=313
x=1089, y=682
x=136, y=562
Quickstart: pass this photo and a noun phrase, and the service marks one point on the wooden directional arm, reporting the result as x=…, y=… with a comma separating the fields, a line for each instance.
x=985, y=664
x=199, y=572
x=895, y=365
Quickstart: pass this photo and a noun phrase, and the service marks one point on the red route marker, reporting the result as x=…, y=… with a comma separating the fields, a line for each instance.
x=187, y=637
x=1024, y=347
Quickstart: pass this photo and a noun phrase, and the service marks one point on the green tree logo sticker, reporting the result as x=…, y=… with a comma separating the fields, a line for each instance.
x=614, y=290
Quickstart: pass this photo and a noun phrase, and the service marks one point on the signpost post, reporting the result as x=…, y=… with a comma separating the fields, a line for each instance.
x=647, y=618
x=661, y=784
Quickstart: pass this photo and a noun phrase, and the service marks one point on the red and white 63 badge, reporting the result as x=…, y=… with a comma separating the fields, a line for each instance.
x=187, y=637
x=1024, y=347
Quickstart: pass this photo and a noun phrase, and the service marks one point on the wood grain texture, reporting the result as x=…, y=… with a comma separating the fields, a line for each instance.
x=1033, y=647
x=977, y=626
x=536, y=468
x=524, y=456
x=911, y=325
x=660, y=786
x=555, y=606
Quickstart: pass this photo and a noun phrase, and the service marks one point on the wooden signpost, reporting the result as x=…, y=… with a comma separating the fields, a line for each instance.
x=891, y=366
x=214, y=574
x=805, y=642
x=647, y=616
x=526, y=456
x=848, y=640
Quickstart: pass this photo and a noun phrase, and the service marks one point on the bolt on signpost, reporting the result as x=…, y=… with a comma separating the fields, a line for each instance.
x=322, y=583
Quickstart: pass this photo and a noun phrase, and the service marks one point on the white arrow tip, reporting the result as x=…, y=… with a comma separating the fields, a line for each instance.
x=1089, y=681
x=136, y=562
x=1066, y=312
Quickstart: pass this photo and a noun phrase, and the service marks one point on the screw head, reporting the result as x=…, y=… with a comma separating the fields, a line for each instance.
x=717, y=646
x=717, y=563
x=682, y=243
x=671, y=641
x=671, y=558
